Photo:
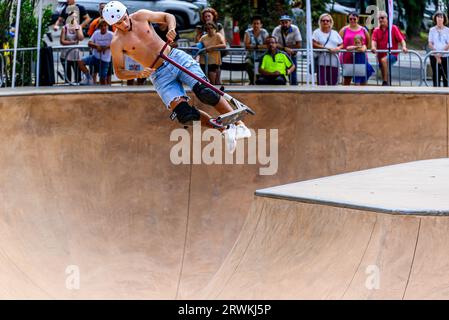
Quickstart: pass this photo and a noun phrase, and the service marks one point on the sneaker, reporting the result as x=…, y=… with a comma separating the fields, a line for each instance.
x=230, y=135
x=87, y=81
x=242, y=132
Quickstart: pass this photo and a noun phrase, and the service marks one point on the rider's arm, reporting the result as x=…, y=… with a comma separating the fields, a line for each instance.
x=160, y=17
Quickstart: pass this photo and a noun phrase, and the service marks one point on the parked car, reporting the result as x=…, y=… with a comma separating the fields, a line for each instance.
x=338, y=8
x=186, y=13
x=199, y=3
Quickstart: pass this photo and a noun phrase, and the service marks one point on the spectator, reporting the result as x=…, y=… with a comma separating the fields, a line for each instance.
x=380, y=42
x=68, y=8
x=288, y=38
x=94, y=24
x=359, y=58
x=439, y=41
x=71, y=34
x=326, y=38
x=254, y=41
x=209, y=15
x=93, y=27
x=276, y=65
x=348, y=34
x=198, y=32
x=100, y=60
x=299, y=17
x=212, y=41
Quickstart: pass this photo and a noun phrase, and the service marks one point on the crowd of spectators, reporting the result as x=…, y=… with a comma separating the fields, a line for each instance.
x=271, y=58
x=344, y=50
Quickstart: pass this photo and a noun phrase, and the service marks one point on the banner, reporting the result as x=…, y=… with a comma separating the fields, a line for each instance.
x=390, y=23
x=310, y=75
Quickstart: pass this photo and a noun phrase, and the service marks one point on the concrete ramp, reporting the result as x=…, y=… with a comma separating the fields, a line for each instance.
x=374, y=234
x=87, y=189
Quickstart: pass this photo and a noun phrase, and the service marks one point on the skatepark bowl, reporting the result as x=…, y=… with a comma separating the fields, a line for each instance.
x=92, y=207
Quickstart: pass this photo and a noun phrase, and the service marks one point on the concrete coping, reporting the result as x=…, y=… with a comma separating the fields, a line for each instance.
x=413, y=188
x=27, y=91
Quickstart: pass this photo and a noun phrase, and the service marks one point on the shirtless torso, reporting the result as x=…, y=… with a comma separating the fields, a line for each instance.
x=136, y=38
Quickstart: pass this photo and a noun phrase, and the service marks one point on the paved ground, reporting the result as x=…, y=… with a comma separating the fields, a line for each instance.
x=87, y=184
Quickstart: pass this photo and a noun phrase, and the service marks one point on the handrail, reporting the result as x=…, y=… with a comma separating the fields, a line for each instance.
x=425, y=61
x=237, y=55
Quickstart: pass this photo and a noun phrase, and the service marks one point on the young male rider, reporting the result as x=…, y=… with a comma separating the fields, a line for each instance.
x=136, y=38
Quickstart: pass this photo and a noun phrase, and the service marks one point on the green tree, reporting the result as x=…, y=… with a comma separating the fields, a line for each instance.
x=28, y=31
x=5, y=14
x=270, y=10
x=414, y=11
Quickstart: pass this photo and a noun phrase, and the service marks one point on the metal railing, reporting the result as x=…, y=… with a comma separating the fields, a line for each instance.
x=411, y=68
x=408, y=68
x=440, y=70
x=25, y=58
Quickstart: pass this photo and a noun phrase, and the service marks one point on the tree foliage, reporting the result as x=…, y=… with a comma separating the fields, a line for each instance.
x=414, y=11
x=5, y=14
x=270, y=10
x=28, y=31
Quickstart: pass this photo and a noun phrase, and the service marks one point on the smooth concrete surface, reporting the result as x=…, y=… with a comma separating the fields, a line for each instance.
x=414, y=188
x=313, y=240
x=86, y=182
x=294, y=250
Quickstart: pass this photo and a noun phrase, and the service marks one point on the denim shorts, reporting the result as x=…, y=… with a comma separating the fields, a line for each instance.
x=393, y=59
x=99, y=66
x=168, y=79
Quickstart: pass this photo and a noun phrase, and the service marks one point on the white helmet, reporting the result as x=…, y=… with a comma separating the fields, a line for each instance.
x=113, y=11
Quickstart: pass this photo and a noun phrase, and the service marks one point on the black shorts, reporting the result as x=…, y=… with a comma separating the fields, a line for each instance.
x=211, y=67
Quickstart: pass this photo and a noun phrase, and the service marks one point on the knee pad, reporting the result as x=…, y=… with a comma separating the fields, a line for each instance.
x=205, y=94
x=185, y=113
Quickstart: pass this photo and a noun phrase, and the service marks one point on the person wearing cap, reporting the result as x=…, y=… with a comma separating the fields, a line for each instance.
x=288, y=38
x=136, y=37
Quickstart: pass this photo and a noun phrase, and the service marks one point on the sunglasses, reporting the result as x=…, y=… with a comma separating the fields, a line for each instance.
x=381, y=18
x=352, y=19
x=325, y=21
